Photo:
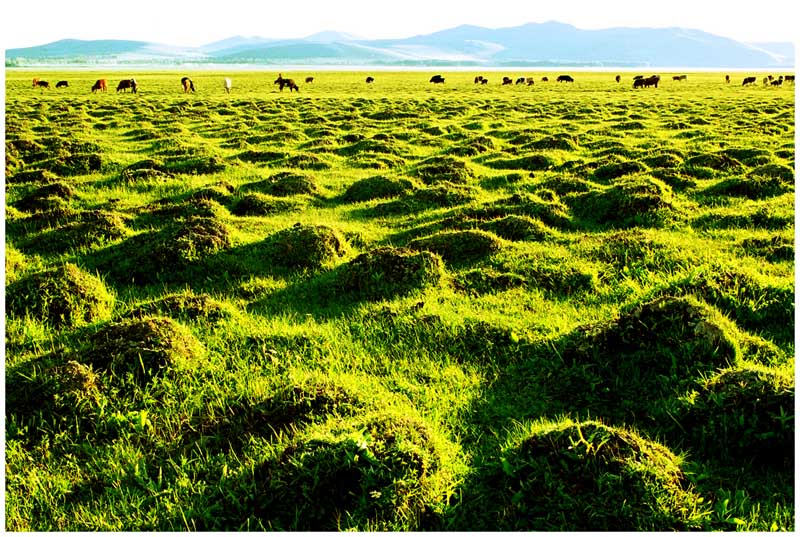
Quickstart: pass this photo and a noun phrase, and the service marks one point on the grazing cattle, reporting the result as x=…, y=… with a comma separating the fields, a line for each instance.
x=286, y=82
x=187, y=84
x=789, y=78
x=647, y=82
x=765, y=81
x=228, y=85
x=484, y=81
x=35, y=82
x=309, y=79
x=749, y=80
x=529, y=81
x=727, y=79
x=777, y=82
x=638, y=77
x=125, y=85
x=545, y=79
x=41, y=84
x=678, y=78
x=565, y=78
x=507, y=81
x=437, y=79
x=520, y=80
x=617, y=78
x=100, y=85
x=769, y=77
x=478, y=79
x=62, y=84
x=370, y=80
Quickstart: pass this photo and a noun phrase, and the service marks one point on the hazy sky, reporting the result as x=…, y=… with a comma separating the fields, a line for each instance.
x=26, y=23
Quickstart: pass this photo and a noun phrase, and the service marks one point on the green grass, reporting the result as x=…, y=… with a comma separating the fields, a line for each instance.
x=399, y=306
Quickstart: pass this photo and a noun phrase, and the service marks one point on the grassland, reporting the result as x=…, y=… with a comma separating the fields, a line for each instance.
x=399, y=306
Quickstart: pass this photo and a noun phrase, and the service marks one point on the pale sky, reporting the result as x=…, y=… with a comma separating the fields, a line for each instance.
x=25, y=23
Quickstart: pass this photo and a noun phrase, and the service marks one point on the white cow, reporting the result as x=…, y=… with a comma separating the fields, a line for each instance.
x=228, y=85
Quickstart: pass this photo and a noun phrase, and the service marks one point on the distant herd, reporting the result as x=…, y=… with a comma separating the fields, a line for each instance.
x=639, y=81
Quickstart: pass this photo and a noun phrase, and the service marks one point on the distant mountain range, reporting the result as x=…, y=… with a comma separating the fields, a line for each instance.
x=547, y=44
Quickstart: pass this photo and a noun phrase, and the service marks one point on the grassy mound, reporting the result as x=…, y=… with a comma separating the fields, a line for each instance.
x=481, y=281
x=774, y=249
x=754, y=187
x=633, y=201
x=92, y=228
x=304, y=161
x=305, y=246
x=629, y=367
x=256, y=204
x=285, y=184
x=142, y=347
x=436, y=170
x=740, y=417
x=589, y=477
x=41, y=198
x=388, y=272
x=443, y=195
x=384, y=472
x=164, y=255
x=62, y=297
x=716, y=161
x=615, y=169
x=39, y=176
x=51, y=386
x=185, y=305
x=195, y=165
x=70, y=165
x=518, y=228
x=376, y=188
x=533, y=162
x=459, y=246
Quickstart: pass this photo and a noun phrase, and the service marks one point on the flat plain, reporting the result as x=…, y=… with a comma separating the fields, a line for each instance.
x=399, y=305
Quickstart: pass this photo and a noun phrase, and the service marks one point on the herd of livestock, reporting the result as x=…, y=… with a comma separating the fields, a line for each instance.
x=639, y=81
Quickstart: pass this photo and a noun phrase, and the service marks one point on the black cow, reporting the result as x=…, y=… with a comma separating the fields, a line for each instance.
x=789, y=78
x=678, y=78
x=479, y=79
x=545, y=79
x=647, y=82
x=507, y=81
x=370, y=80
x=125, y=85
x=309, y=79
x=749, y=80
x=617, y=78
x=520, y=80
x=62, y=84
x=565, y=78
x=727, y=79
x=637, y=77
x=437, y=79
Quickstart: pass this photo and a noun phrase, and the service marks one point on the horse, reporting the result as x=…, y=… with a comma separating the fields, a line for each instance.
x=283, y=82
x=127, y=84
x=62, y=84
x=100, y=85
x=228, y=85
x=187, y=84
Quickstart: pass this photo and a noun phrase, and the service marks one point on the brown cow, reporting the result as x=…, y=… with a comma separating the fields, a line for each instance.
x=127, y=84
x=284, y=82
x=44, y=84
x=100, y=85
x=647, y=82
x=529, y=81
x=187, y=84
x=309, y=79
x=35, y=81
x=545, y=79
